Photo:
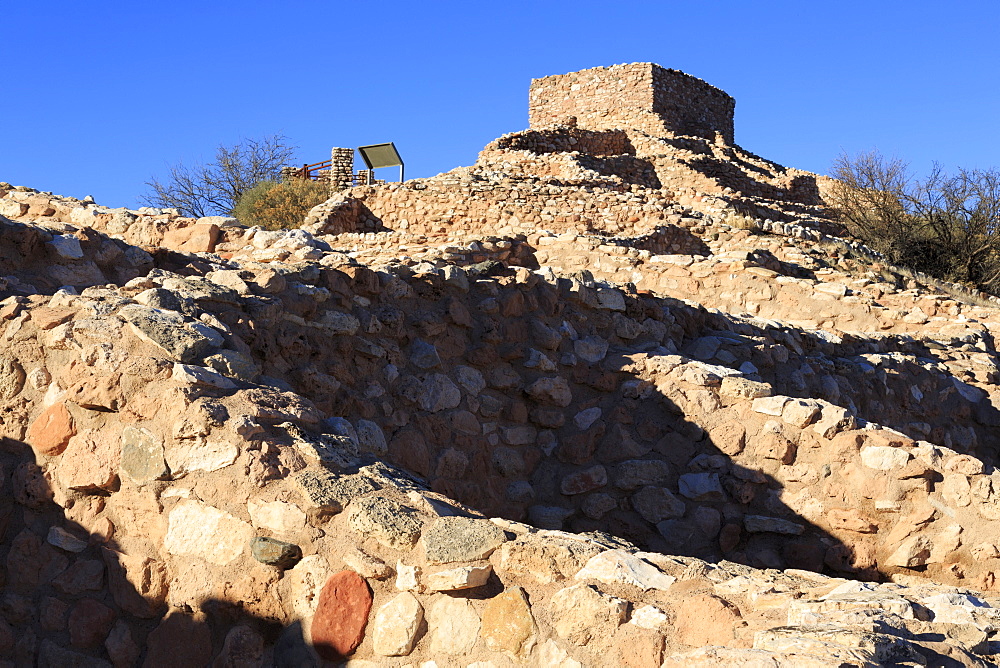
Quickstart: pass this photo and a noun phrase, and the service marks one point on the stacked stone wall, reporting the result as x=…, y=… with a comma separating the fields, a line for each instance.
x=641, y=96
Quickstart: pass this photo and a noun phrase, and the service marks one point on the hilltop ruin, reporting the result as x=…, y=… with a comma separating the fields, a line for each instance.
x=618, y=393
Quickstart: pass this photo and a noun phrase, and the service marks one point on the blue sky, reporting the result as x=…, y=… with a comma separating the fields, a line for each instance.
x=98, y=97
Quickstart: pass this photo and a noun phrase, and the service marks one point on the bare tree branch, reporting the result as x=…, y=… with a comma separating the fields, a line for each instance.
x=215, y=188
x=945, y=225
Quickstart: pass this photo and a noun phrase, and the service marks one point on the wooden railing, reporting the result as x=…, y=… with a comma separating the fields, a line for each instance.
x=311, y=171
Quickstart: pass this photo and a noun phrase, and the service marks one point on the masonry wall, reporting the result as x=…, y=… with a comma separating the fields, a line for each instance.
x=642, y=96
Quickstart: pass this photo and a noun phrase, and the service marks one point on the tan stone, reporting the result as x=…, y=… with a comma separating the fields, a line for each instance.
x=202, y=531
x=508, y=625
x=706, y=619
x=462, y=577
x=396, y=625
x=90, y=462
x=581, y=613
x=454, y=625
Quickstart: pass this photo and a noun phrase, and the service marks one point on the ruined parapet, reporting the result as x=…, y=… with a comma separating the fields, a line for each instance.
x=640, y=96
x=341, y=169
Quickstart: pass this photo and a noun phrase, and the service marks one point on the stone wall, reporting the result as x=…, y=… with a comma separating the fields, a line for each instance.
x=341, y=169
x=642, y=96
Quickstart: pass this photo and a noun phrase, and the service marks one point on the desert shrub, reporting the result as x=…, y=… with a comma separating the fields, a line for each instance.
x=945, y=225
x=740, y=222
x=277, y=205
x=216, y=187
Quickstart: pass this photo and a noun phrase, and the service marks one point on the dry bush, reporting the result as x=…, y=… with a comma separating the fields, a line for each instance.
x=276, y=205
x=947, y=226
x=215, y=188
x=740, y=222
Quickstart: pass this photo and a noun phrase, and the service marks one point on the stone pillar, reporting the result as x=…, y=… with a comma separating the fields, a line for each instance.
x=341, y=169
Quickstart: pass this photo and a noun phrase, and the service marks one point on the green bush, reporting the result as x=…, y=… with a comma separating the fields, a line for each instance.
x=276, y=205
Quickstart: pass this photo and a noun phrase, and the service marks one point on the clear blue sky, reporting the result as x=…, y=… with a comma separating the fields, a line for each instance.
x=98, y=97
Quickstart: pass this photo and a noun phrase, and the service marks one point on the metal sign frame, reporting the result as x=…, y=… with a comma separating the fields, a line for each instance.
x=382, y=155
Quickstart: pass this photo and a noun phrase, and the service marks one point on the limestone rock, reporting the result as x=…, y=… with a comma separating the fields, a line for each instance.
x=142, y=456
x=325, y=491
x=185, y=342
x=620, y=567
x=451, y=539
x=198, y=530
x=389, y=522
x=396, y=625
x=761, y=524
x=737, y=386
x=546, y=558
x=454, y=624
x=701, y=486
x=551, y=391
x=656, y=504
x=282, y=518
x=581, y=612
x=462, y=577
x=366, y=565
x=508, y=625
x=306, y=581
x=884, y=458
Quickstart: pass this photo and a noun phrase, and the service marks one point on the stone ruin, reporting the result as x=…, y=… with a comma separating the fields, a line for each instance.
x=619, y=393
x=640, y=96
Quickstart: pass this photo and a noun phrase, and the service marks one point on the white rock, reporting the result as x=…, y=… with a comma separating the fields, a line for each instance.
x=278, y=517
x=650, y=617
x=195, y=454
x=439, y=393
x=552, y=655
x=884, y=458
x=65, y=540
x=396, y=625
x=199, y=375
x=371, y=438
x=587, y=417
x=770, y=405
x=463, y=577
x=407, y=577
x=197, y=530
x=618, y=566
x=66, y=246
x=582, y=612
x=306, y=582
x=454, y=623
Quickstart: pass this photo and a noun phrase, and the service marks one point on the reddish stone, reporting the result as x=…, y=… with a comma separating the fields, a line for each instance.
x=638, y=647
x=83, y=575
x=91, y=463
x=341, y=615
x=89, y=623
x=53, y=614
x=137, y=583
x=178, y=642
x=49, y=434
x=47, y=317
x=24, y=560
x=197, y=238
x=408, y=449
